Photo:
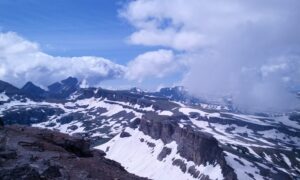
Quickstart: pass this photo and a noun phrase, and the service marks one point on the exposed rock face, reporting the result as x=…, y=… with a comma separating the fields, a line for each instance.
x=125, y=134
x=177, y=93
x=195, y=146
x=164, y=153
x=8, y=88
x=32, y=153
x=27, y=116
x=33, y=91
x=64, y=88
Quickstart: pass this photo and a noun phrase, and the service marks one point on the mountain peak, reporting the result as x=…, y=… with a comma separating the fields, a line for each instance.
x=8, y=88
x=30, y=85
x=33, y=90
x=64, y=88
x=70, y=81
x=136, y=90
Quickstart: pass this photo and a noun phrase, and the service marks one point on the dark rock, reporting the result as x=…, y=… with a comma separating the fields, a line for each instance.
x=9, y=89
x=63, y=157
x=193, y=171
x=33, y=91
x=33, y=146
x=64, y=88
x=98, y=153
x=86, y=93
x=295, y=117
x=180, y=164
x=28, y=116
x=70, y=118
x=73, y=127
x=124, y=134
x=164, y=153
x=52, y=124
x=177, y=93
x=150, y=144
x=204, y=177
x=8, y=154
x=25, y=172
x=1, y=123
x=52, y=172
x=196, y=146
x=65, y=119
x=135, y=123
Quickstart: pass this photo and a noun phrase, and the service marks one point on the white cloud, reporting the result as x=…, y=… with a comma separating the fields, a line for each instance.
x=249, y=49
x=185, y=40
x=22, y=60
x=186, y=25
x=154, y=64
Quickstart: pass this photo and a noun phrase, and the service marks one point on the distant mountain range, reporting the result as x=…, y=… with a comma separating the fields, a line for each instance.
x=167, y=134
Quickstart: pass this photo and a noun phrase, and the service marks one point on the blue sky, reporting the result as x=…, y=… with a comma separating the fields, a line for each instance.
x=72, y=27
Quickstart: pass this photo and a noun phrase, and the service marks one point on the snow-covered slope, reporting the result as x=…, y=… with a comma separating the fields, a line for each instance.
x=252, y=155
x=147, y=157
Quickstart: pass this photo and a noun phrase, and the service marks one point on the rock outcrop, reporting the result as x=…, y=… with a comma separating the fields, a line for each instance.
x=196, y=146
x=32, y=153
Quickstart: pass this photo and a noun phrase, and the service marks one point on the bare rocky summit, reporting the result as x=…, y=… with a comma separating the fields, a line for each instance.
x=33, y=153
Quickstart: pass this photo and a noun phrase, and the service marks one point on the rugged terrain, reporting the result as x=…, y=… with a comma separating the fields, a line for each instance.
x=33, y=153
x=165, y=134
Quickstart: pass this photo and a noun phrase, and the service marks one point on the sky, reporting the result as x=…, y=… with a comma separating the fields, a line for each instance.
x=248, y=50
x=74, y=28
x=71, y=27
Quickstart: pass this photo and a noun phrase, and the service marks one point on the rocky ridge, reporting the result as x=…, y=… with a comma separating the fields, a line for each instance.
x=195, y=146
x=33, y=153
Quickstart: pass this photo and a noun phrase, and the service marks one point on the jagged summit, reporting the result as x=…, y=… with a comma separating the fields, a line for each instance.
x=8, y=88
x=69, y=83
x=64, y=88
x=33, y=90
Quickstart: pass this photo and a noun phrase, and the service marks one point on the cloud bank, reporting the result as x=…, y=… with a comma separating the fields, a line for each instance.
x=154, y=64
x=249, y=50
x=22, y=61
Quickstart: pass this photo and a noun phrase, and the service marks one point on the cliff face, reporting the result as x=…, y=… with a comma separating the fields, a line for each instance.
x=32, y=153
x=196, y=146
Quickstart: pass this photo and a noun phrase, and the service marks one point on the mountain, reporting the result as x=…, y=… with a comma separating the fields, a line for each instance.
x=33, y=91
x=177, y=93
x=159, y=138
x=32, y=153
x=9, y=92
x=8, y=89
x=64, y=88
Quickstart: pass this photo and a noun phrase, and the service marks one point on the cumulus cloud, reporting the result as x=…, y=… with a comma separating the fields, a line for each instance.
x=247, y=49
x=22, y=60
x=154, y=64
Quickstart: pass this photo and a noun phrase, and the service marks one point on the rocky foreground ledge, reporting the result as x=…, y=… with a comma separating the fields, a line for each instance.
x=33, y=153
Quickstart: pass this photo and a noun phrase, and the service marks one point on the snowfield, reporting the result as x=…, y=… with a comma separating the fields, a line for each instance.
x=139, y=158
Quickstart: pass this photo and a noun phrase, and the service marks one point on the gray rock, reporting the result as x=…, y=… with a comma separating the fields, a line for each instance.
x=43, y=154
x=196, y=146
x=164, y=153
x=124, y=134
x=180, y=164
